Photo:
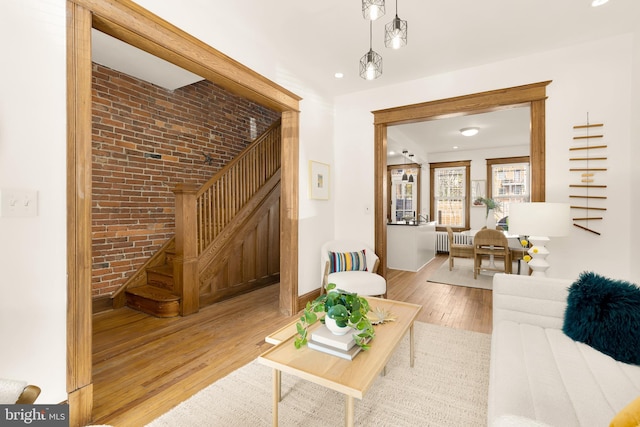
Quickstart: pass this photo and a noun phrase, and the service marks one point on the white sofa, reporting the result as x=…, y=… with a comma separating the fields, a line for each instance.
x=538, y=373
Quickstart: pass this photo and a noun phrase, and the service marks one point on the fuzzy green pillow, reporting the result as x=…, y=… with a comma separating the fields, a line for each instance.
x=605, y=314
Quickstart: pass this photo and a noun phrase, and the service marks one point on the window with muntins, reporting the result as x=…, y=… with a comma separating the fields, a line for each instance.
x=509, y=182
x=450, y=194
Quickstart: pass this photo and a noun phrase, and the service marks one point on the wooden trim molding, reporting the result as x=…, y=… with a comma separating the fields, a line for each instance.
x=79, y=304
x=533, y=95
x=135, y=25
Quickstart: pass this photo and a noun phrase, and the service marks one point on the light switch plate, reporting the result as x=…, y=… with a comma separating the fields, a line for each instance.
x=18, y=203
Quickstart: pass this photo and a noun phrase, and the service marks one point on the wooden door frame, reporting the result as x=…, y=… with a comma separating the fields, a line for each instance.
x=135, y=25
x=532, y=95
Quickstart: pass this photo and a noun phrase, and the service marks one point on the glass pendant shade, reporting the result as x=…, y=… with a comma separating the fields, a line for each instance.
x=371, y=65
x=395, y=33
x=372, y=9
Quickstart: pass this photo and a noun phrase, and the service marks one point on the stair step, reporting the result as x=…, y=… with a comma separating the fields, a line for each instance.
x=153, y=300
x=161, y=276
x=170, y=254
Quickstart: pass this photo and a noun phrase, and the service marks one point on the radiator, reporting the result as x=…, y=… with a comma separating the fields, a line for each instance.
x=442, y=240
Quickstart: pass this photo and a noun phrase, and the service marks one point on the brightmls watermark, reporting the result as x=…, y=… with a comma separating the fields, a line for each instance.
x=34, y=415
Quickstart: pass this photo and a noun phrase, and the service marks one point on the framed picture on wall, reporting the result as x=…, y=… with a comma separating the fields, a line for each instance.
x=478, y=190
x=318, y=180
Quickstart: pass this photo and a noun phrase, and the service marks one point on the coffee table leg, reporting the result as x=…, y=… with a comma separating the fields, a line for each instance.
x=349, y=412
x=411, y=348
x=276, y=395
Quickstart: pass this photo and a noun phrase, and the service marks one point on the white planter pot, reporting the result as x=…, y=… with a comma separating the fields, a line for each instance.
x=334, y=328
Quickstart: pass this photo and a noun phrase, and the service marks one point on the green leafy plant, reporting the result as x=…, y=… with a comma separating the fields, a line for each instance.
x=489, y=203
x=346, y=308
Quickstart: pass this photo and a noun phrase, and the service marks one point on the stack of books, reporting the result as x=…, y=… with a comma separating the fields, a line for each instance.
x=344, y=346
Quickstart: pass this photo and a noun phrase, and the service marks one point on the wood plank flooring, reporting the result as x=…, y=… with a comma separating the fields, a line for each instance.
x=143, y=366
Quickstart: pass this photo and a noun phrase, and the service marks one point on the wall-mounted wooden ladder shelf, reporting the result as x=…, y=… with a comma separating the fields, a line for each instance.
x=586, y=201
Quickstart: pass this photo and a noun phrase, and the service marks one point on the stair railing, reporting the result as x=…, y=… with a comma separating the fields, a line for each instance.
x=202, y=214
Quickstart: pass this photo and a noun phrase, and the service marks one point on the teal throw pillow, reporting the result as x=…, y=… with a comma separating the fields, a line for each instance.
x=605, y=314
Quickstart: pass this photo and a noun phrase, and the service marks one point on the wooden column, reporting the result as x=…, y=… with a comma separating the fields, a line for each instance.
x=538, y=151
x=289, y=190
x=185, y=264
x=79, y=322
x=380, y=196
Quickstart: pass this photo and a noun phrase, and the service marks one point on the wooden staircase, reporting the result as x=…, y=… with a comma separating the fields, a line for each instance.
x=225, y=235
x=156, y=297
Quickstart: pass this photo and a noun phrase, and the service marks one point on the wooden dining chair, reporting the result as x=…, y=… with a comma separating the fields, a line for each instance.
x=492, y=244
x=457, y=250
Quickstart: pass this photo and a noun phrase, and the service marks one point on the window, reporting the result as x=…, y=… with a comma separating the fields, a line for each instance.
x=404, y=197
x=450, y=194
x=509, y=181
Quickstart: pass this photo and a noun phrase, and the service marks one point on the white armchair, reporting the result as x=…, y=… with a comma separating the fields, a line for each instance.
x=352, y=266
x=16, y=391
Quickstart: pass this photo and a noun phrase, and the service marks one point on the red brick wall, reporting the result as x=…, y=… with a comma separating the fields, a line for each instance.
x=133, y=205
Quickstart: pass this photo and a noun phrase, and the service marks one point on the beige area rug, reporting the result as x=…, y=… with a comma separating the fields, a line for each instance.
x=446, y=387
x=462, y=274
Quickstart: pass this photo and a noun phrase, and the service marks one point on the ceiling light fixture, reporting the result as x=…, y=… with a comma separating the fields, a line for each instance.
x=469, y=131
x=372, y=9
x=596, y=3
x=395, y=32
x=371, y=62
x=338, y=75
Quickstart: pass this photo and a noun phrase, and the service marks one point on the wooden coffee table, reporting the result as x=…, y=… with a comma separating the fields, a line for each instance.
x=354, y=377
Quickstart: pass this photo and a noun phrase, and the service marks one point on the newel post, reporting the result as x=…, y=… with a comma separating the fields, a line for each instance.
x=185, y=264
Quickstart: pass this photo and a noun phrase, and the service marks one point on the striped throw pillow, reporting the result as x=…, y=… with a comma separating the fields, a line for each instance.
x=347, y=261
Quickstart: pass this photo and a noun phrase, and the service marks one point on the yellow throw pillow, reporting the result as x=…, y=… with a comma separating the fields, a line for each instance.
x=629, y=416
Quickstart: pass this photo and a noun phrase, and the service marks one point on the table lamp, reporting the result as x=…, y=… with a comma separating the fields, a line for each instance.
x=539, y=221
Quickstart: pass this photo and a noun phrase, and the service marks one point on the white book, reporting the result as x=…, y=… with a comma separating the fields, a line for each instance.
x=345, y=354
x=323, y=335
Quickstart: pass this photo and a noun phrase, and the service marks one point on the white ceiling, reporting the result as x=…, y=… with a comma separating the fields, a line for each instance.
x=496, y=129
x=316, y=39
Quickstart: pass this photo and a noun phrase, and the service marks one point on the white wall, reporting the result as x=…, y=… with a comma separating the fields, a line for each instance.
x=33, y=282
x=593, y=78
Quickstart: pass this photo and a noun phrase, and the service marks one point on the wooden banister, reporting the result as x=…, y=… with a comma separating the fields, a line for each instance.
x=202, y=214
x=220, y=199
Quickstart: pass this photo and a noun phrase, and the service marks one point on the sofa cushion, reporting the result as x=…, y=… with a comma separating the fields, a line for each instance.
x=605, y=314
x=347, y=261
x=542, y=374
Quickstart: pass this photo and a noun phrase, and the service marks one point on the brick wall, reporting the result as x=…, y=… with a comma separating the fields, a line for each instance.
x=145, y=141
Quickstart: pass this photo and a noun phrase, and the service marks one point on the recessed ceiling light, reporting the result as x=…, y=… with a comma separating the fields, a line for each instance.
x=469, y=131
x=338, y=75
x=455, y=147
x=596, y=3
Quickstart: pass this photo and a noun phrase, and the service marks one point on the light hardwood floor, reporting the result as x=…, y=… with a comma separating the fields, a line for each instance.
x=143, y=366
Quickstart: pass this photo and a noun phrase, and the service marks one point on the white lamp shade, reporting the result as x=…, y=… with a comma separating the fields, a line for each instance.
x=540, y=219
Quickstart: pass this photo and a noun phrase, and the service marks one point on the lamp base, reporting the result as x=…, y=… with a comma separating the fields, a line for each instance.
x=538, y=253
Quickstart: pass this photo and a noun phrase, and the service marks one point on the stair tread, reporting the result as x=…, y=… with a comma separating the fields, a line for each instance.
x=164, y=269
x=153, y=293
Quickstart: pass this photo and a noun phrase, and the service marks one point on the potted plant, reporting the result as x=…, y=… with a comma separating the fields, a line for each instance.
x=347, y=309
x=491, y=204
x=492, y=207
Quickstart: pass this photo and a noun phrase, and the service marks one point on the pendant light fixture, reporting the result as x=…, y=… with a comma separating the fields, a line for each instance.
x=395, y=32
x=372, y=9
x=371, y=62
